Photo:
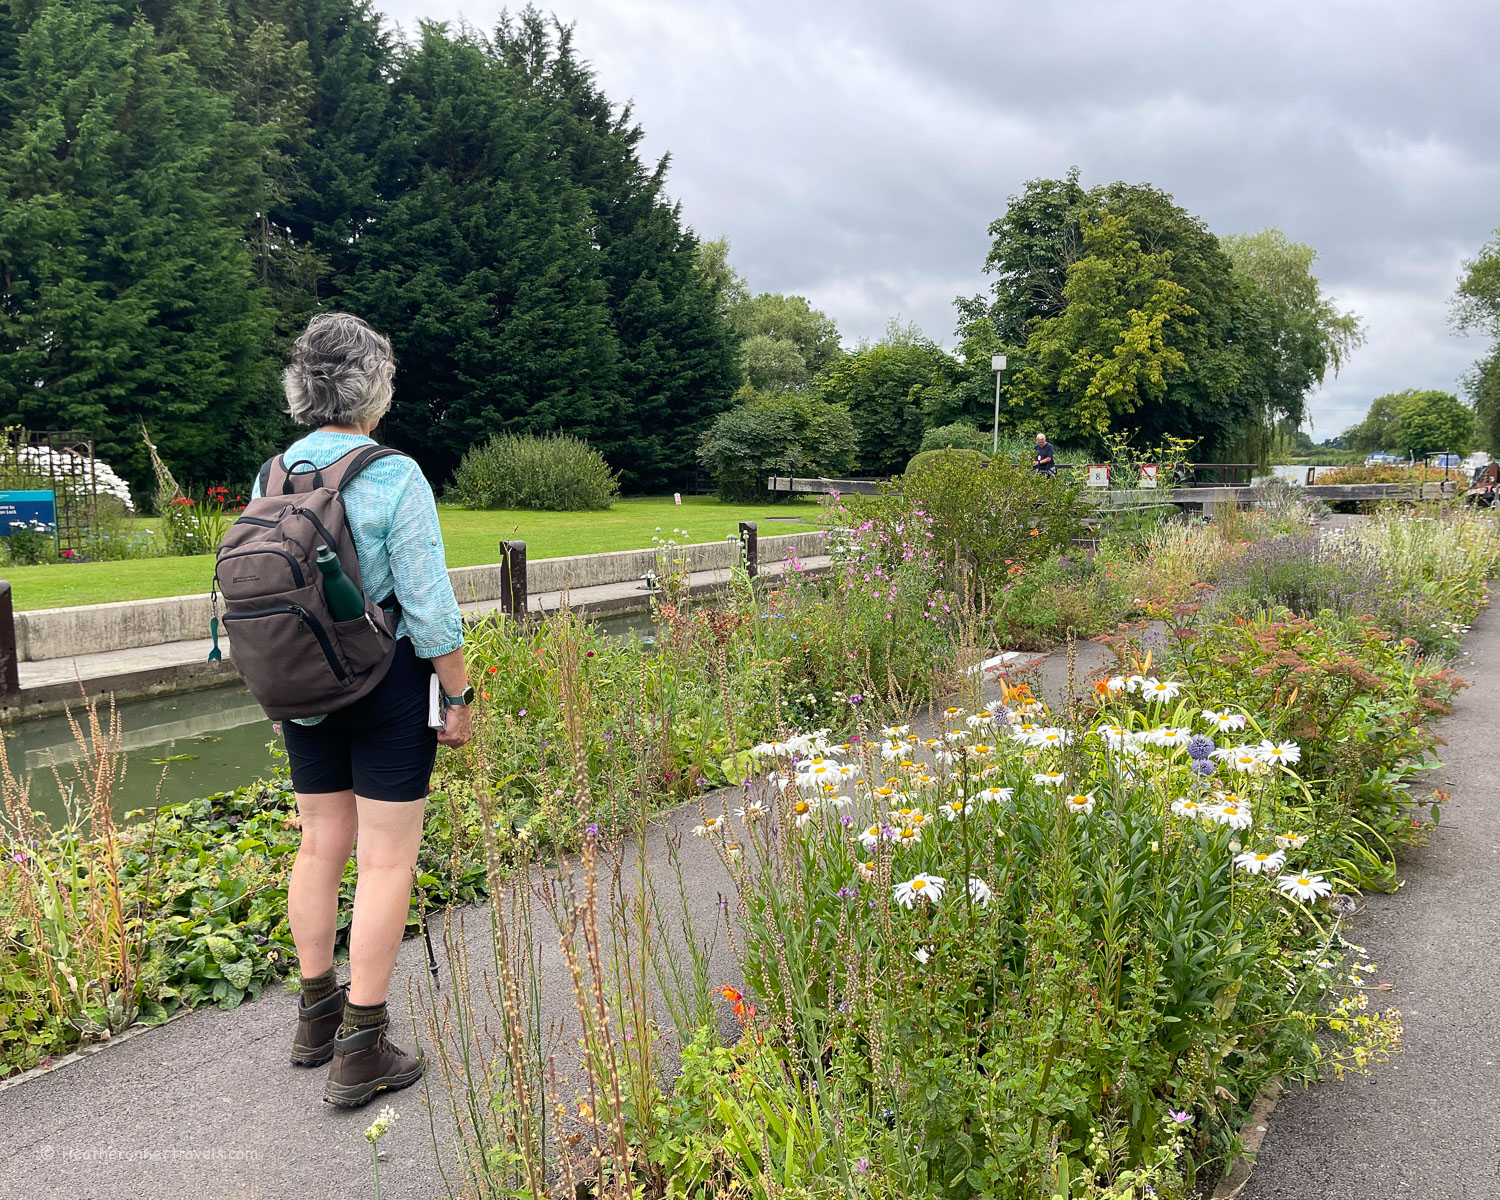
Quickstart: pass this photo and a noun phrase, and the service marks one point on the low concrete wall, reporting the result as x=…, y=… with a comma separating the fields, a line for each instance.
x=130, y=625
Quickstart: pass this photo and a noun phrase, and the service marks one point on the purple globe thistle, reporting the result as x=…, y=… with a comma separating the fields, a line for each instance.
x=1202, y=766
x=1200, y=746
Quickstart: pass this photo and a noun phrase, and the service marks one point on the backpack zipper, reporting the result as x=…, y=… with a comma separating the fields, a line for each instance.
x=296, y=570
x=318, y=525
x=304, y=618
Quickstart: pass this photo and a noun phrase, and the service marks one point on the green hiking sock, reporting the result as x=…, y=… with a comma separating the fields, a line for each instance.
x=316, y=987
x=360, y=1016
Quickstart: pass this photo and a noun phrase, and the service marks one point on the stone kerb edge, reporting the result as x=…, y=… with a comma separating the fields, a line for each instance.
x=53, y=633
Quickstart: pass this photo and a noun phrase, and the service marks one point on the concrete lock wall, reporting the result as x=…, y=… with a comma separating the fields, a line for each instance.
x=130, y=625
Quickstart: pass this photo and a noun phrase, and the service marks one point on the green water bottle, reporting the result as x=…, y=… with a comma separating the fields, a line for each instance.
x=345, y=601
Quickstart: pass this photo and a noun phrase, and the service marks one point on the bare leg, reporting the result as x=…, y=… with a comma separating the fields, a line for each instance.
x=329, y=822
x=389, y=835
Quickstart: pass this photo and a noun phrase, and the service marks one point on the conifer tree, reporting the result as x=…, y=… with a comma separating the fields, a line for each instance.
x=481, y=265
x=678, y=361
x=125, y=288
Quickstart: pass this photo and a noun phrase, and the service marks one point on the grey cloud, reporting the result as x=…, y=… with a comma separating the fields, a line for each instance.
x=856, y=150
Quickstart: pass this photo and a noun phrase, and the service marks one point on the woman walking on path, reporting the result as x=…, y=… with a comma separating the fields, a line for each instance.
x=361, y=774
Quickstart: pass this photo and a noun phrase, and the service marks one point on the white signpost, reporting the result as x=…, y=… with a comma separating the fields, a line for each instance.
x=1148, y=475
x=1099, y=477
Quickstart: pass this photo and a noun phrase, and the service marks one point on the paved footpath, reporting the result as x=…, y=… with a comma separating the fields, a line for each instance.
x=208, y=1107
x=1426, y=1126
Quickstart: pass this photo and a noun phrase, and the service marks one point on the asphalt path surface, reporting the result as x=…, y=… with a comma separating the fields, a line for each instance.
x=1425, y=1126
x=208, y=1107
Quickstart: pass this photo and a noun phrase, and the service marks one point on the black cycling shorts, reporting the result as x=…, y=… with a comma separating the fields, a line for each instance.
x=381, y=745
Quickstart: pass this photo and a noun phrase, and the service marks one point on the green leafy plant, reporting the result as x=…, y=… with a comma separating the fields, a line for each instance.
x=556, y=473
x=30, y=544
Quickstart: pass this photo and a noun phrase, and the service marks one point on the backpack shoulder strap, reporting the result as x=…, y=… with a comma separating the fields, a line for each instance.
x=273, y=469
x=342, y=471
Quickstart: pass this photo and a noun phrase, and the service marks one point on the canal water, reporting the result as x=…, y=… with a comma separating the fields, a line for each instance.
x=206, y=741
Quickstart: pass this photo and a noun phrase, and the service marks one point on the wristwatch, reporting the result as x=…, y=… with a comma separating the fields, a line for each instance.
x=462, y=700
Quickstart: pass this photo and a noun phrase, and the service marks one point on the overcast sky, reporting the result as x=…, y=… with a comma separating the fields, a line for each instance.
x=855, y=151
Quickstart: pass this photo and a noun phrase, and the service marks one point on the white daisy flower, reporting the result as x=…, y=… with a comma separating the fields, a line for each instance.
x=1283, y=754
x=1160, y=689
x=711, y=827
x=802, y=812
x=908, y=835
x=838, y=801
x=1082, y=804
x=1224, y=720
x=1169, y=736
x=953, y=809
x=771, y=750
x=1117, y=684
x=1234, y=813
x=1050, y=738
x=1048, y=779
x=918, y=889
x=870, y=836
x=1113, y=736
x=980, y=719
x=816, y=770
x=1239, y=758
x=1261, y=862
x=865, y=869
x=979, y=891
x=1025, y=731
x=1291, y=841
x=1305, y=887
x=922, y=954
x=754, y=810
x=895, y=732
x=1187, y=808
x=998, y=795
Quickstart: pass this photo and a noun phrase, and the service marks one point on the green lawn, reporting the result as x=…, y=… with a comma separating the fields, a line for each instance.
x=471, y=538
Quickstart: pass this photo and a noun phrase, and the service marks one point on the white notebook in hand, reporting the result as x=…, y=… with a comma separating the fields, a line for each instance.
x=436, y=718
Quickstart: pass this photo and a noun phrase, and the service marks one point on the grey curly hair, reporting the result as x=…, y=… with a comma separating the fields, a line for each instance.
x=340, y=373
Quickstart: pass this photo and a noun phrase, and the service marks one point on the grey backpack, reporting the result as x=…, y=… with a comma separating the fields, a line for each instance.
x=294, y=657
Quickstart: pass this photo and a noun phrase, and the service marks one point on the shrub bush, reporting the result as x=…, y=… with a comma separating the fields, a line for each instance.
x=919, y=461
x=791, y=434
x=30, y=545
x=958, y=436
x=1003, y=517
x=556, y=473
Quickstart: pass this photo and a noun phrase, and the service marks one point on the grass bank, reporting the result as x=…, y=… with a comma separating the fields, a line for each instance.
x=471, y=539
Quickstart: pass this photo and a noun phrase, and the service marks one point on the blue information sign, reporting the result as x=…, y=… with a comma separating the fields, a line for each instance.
x=28, y=508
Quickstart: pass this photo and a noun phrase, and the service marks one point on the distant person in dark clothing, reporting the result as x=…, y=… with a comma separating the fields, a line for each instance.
x=1044, y=461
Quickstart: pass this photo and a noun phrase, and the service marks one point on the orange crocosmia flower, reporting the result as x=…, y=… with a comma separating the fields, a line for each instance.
x=737, y=1003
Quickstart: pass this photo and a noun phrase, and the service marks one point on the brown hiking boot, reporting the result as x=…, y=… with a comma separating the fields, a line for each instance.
x=366, y=1062
x=317, y=1025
